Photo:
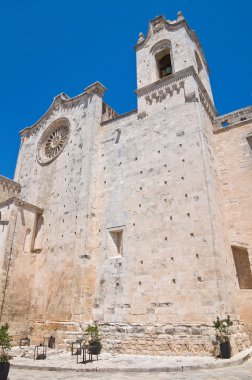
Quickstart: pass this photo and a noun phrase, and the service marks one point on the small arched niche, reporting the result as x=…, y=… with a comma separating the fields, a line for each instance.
x=163, y=58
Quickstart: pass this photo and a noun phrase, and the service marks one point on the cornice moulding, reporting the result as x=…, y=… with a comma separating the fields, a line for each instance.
x=20, y=203
x=171, y=81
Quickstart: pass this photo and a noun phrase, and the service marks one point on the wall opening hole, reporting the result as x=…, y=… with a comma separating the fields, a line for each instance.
x=224, y=124
x=118, y=135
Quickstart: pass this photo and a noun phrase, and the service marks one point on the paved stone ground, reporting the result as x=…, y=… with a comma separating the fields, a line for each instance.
x=241, y=372
x=60, y=359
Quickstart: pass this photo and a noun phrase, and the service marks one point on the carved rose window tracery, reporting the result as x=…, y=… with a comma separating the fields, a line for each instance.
x=53, y=140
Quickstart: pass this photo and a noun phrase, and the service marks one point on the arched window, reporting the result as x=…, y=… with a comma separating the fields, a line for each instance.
x=162, y=55
x=199, y=63
x=163, y=59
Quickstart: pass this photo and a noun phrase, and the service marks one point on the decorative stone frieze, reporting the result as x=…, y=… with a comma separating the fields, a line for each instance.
x=9, y=186
x=160, y=95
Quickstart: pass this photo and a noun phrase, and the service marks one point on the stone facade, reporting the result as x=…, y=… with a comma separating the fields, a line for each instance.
x=125, y=219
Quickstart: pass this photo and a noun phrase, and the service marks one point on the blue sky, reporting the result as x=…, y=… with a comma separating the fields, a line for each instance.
x=54, y=46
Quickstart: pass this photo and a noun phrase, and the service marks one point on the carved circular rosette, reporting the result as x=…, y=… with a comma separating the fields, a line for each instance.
x=53, y=140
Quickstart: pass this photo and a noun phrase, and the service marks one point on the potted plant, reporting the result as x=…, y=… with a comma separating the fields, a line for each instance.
x=95, y=342
x=5, y=343
x=222, y=335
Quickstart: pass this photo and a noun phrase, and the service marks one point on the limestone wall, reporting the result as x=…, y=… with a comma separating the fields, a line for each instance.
x=60, y=276
x=235, y=170
x=149, y=176
x=156, y=186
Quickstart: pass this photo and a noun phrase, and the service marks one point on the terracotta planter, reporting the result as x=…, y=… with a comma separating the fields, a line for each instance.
x=4, y=370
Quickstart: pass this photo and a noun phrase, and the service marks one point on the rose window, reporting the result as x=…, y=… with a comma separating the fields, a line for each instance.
x=53, y=141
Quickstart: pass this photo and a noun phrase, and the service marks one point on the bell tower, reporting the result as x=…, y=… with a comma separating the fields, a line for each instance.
x=169, y=48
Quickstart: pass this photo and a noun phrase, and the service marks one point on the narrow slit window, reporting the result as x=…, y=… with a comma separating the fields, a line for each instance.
x=243, y=268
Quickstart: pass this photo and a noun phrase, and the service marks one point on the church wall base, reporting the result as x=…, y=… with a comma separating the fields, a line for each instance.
x=172, y=340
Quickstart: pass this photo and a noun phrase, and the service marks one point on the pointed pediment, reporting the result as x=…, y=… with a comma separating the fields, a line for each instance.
x=60, y=101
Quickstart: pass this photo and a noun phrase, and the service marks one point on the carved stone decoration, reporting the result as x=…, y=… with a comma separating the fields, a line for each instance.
x=191, y=97
x=160, y=94
x=141, y=38
x=141, y=115
x=158, y=25
x=53, y=140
